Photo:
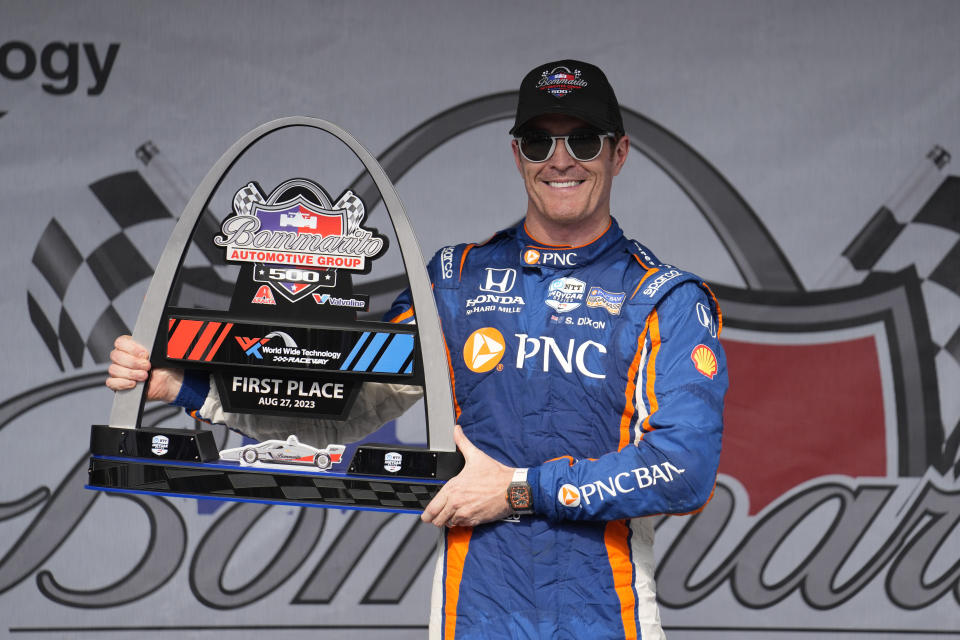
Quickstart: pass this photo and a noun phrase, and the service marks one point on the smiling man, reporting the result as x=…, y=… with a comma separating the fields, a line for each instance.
x=589, y=382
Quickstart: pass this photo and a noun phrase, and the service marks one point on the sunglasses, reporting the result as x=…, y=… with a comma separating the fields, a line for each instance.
x=538, y=146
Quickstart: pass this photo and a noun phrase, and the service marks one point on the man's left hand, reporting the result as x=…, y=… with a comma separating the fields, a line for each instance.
x=476, y=495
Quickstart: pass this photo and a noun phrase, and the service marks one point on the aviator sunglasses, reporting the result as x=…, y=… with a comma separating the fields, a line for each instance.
x=538, y=146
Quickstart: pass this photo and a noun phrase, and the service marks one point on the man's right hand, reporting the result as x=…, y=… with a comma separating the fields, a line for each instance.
x=130, y=364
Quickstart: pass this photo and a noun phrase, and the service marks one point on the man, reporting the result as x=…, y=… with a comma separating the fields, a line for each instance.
x=588, y=380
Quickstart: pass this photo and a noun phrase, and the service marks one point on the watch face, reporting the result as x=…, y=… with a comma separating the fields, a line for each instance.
x=520, y=497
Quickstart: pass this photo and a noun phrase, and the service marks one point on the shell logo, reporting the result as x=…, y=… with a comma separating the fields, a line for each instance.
x=704, y=360
x=484, y=349
x=569, y=496
x=531, y=256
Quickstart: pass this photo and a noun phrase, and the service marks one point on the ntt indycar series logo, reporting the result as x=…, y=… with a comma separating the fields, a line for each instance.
x=298, y=226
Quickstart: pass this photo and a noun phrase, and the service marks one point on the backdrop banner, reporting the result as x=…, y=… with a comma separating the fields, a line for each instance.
x=796, y=155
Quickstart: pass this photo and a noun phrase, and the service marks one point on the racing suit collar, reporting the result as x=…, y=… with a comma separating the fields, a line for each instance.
x=535, y=254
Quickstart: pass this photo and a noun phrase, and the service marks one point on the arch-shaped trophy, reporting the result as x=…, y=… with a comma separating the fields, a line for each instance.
x=288, y=346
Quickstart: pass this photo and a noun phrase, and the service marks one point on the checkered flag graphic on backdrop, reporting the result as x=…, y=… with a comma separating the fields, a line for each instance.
x=69, y=331
x=919, y=226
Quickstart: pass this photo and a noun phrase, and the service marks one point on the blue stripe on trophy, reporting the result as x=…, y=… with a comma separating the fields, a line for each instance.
x=356, y=349
x=395, y=355
x=368, y=354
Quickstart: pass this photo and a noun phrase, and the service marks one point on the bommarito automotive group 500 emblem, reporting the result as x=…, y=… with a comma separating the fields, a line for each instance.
x=297, y=238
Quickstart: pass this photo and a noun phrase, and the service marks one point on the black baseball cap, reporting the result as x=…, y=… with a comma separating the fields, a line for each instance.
x=572, y=88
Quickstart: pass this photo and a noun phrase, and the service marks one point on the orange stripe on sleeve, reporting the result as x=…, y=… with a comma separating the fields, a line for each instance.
x=616, y=537
x=458, y=543
x=642, y=280
x=463, y=259
x=630, y=392
x=453, y=380
x=403, y=316
x=642, y=263
x=716, y=305
x=653, y=321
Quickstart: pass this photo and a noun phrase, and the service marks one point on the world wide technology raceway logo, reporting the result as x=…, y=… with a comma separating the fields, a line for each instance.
x=838, y=490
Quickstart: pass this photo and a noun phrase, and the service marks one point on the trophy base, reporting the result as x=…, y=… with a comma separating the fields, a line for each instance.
x=379, y=477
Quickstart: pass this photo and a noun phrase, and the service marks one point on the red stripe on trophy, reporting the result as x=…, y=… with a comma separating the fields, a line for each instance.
x=216, y=345
x=182, y=336
x=206, y=337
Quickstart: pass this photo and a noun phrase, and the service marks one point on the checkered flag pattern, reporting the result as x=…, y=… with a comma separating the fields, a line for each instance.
x=246, y=198
x=354, y=208
x=306, y=489
x=919, y=226
x=82, y=317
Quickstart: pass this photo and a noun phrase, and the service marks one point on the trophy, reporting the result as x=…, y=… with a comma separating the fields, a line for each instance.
x=289, y=349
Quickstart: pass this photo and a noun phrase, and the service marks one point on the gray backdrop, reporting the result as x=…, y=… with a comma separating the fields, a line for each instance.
x=767, y=135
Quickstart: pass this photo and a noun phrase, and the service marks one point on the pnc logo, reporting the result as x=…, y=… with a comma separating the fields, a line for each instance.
x=484, y=349
x=569, y=496
x=574, y=355
x=531, y=256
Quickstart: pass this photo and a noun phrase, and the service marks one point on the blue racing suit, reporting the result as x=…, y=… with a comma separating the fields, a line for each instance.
x=600, y=369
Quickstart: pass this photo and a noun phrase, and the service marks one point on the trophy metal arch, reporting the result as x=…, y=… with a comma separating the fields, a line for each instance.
x=125, y=457
x=128, y=405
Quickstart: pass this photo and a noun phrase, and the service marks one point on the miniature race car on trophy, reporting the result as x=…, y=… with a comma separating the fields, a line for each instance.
x=289, y=451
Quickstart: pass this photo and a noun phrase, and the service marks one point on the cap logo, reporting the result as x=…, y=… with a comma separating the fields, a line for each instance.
x=561, y=81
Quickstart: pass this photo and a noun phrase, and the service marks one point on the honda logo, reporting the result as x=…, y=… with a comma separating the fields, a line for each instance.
x=499, y=280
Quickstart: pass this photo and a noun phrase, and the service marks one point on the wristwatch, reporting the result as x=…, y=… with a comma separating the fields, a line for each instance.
x=519, y=494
